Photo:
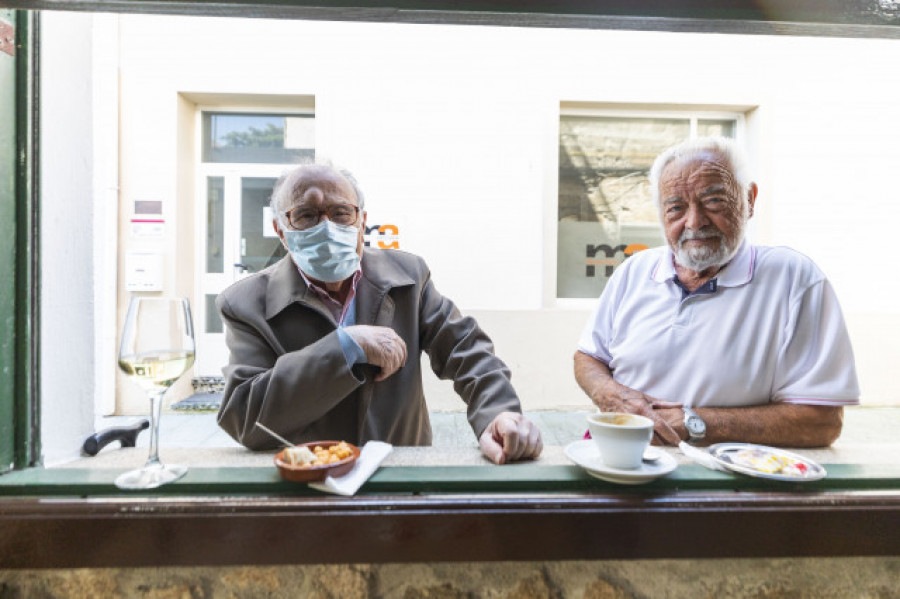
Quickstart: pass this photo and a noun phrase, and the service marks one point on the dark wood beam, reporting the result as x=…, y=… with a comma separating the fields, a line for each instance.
x=123, y=532
x=837, y=18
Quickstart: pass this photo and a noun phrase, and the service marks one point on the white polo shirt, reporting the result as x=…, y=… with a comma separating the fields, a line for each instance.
x=768, y=328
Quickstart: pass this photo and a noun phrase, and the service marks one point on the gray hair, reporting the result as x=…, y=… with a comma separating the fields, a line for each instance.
x=723, y=147
x=284, y=186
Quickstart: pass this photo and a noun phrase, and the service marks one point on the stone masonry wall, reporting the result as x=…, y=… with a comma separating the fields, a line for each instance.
x=874, y=578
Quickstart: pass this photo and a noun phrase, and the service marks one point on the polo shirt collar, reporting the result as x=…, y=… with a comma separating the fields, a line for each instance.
x=738, y=272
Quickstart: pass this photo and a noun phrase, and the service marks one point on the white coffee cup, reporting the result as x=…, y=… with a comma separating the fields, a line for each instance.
x=620, y=437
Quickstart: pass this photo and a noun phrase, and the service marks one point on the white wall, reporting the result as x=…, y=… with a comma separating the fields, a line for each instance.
x=452, y=132
x=66, y=251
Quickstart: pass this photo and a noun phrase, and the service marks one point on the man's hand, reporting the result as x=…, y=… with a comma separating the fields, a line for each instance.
x=635, y=402
x=673, y=416
x=384, y=347
x=510, y=436
x=595, y=378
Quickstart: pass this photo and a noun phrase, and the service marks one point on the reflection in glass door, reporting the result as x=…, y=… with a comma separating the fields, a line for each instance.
x=260, y=246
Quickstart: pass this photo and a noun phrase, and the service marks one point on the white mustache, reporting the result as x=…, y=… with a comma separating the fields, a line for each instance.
x=709, y=233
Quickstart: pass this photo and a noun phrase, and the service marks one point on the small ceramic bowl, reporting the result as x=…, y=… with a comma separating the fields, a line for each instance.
x=316, y=472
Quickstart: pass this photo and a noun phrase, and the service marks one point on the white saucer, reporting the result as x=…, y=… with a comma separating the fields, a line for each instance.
x=585, y=454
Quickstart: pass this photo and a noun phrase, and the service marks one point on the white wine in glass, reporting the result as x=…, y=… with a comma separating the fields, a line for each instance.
x=157, y=348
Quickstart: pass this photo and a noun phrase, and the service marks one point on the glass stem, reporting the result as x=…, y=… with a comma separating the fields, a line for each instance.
x=155, y=410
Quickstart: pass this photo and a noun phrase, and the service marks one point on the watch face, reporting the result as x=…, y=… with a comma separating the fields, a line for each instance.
x=695, y=426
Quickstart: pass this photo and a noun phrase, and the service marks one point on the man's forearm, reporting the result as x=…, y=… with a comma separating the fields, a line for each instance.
x=597, y=382
x=781, y=424
x=609, y=395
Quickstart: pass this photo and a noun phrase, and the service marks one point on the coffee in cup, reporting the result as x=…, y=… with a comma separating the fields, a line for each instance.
x=620, y=437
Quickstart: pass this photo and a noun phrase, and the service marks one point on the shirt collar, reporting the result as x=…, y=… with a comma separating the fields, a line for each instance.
x=737, y=272
x=337, y=309
x=320, y=291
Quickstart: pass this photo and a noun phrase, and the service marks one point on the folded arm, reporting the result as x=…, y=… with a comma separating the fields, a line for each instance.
x=286, y=392
x=780, y=424
x=597, y=381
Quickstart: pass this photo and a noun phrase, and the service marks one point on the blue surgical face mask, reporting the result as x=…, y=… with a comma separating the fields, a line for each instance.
x=326, y=252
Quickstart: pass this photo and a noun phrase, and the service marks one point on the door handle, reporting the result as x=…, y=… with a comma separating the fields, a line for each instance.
x=126, y=434
x=242, y=267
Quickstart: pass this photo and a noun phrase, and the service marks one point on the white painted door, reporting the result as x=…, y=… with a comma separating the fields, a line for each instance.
x=242, y=153
x=237, y=239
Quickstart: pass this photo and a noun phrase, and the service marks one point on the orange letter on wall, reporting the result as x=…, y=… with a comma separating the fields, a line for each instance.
x=395, y=234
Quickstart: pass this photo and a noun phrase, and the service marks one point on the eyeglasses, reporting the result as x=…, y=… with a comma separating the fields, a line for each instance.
x=304, y=217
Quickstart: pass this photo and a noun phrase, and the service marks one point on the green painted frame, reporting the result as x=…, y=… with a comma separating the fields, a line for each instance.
x=18, y=248
x=19, y=216
x=404, y=480
x=248, y=516
x=7, y=252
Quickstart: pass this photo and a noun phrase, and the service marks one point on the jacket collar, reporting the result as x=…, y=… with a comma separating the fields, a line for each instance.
x=736, y=273
x=285, y=285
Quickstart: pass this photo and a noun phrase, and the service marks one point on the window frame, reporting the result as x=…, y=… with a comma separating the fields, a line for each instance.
x=691, y=113
x=19, y=298
x=432, y=523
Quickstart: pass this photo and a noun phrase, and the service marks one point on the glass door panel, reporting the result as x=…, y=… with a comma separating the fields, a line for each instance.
x=260, y=245
x=215, y=224
x=239, y=239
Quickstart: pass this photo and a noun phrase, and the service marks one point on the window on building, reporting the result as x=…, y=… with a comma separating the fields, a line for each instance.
x=257, y=138
x=606, y=213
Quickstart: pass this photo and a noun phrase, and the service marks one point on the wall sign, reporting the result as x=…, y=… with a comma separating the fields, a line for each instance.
x=383, y=237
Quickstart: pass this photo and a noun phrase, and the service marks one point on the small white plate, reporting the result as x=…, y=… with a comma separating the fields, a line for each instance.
x=585, y=454
x=735, y=456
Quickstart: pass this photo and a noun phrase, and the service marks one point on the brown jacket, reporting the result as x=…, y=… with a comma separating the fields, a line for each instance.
x=287, y=370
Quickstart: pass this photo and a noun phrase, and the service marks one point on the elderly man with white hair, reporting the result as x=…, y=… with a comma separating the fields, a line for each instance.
x=714, y=338
x=325, y=344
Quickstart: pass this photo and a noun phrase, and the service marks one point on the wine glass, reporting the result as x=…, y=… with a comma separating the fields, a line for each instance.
x=157, y=348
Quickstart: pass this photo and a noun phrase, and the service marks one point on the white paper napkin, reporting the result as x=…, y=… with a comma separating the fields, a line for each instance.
x=370, y=457
x=701, y=456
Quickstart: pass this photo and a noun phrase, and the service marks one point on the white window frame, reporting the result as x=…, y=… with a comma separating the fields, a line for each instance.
x=691, y=113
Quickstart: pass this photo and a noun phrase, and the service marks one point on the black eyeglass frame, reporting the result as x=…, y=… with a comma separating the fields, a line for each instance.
x=321, y=213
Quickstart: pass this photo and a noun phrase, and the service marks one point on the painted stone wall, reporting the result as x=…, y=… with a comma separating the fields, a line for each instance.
x=876, y=578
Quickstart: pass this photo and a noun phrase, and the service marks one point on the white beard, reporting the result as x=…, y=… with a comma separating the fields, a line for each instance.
x=701, y=258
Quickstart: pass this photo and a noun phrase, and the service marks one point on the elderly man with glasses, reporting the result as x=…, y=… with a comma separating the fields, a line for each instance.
x=712, y=337
x=325, y=344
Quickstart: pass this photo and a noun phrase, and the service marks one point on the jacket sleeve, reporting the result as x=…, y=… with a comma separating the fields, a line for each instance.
x=460, y=351
x=286, y=392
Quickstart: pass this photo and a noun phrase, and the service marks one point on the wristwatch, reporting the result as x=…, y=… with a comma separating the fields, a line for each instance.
x=695, y=426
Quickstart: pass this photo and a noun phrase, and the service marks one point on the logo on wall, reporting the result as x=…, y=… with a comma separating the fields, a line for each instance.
x=384, y=237
x=609, y=260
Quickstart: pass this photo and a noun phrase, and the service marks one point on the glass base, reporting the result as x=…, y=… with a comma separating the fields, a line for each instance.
x=150, y=477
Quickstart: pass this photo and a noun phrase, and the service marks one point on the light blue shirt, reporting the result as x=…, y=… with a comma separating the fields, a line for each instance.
x=352, y=350
x=345, y=315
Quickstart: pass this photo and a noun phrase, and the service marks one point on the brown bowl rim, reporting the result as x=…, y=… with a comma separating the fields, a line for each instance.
x=318, y=471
